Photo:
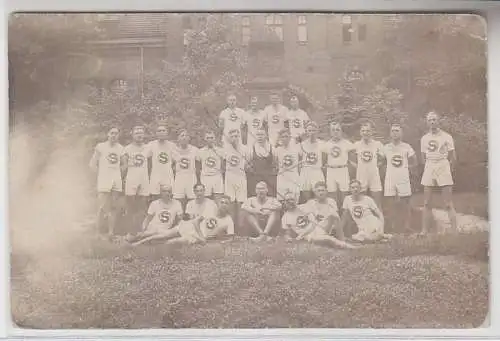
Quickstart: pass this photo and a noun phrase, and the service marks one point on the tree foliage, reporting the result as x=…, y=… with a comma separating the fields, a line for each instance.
x=44, y=50
x=190, y=93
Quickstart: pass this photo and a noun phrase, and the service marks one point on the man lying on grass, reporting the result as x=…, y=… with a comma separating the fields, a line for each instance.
x=298, y=223
x=365, y=213
x=218, y=226
x=163, y=216
x=261, y=212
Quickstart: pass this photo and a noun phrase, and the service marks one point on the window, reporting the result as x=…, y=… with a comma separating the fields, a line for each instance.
x=302, y=29
x=347, y=29
x=362, y=32
x=245, y=31
x=275, y=23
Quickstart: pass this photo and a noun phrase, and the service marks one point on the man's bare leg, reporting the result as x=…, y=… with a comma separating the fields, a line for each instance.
x=113, y=213
x=169, y=234
x=406, y=213
x=332, y=242
x=271, y=221
x=335, y=226
x=130, y=213
x=391, y=204
x=103, y=202
x=253, y=222
x=447, y=193
x=140, y=212
x=377, y=197
x=427, y=212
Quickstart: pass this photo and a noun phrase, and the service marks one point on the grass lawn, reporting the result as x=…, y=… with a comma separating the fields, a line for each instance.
x=465, y=202
x=62, y=278
x=437, y=282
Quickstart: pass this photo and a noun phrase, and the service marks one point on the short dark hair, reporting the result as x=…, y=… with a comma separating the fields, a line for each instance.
x=367, y=124
x=283, y=131
x=311, y=123
x=355, y=181
x=138, y=127
x=320, y=184
x=223, y=196
x=198, y=185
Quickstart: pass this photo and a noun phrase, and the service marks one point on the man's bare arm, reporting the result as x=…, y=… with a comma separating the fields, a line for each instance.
x=147, y=221
x=124, y=163
x=353, y=158
x=249, y=209
x=94, y=161
x=412, y=161
x=452, y=157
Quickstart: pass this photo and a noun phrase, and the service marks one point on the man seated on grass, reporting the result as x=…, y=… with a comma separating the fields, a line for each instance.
x=365, y=213
x=325, y=211
x=301, y=225
x=201, y=205
x=160, y=223
x=261, y=213
x=218, y=226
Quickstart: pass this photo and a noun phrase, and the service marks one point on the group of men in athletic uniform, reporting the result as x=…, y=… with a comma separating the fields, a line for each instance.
x=195, y=194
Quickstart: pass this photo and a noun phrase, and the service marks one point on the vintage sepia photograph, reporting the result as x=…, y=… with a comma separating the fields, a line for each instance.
x=248, y=170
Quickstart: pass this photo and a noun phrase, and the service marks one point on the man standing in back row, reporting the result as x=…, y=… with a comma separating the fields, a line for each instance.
x=400, y=158
x=255, y=120
x=438, y=154
x=276, y=117
x=297, y=119
x=135, y=164
x=338, y=152
x=106, y=162
x=231, y=118
x=369, y=156
x=160, y=151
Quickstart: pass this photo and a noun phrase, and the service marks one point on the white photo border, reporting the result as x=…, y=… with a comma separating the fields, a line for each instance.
x=490, y=10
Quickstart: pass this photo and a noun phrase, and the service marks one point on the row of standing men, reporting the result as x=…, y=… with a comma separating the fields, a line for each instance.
x=286, y=162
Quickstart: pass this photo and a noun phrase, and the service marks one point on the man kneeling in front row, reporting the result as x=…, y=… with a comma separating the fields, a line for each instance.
x=301, y=224
x=261, y=213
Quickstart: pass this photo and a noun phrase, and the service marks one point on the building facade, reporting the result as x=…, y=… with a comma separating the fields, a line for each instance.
x=303, y=53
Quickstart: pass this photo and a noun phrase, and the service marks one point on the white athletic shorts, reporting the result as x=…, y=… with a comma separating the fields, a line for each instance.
x=316, y=234
x=370, y=228
x=369, y=178
x=337, y=179
x=158, y=228
x=137, y=183
x=213, y=184
x=236, y=186
x=397, y=185
x=183, y=185
x=437, y=173
x=160, y=180
x=310, y=177
x=108, y=181
x=288, y=182
x=187, y=230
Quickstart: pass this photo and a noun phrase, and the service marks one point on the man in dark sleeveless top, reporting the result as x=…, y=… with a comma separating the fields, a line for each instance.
x=263, y=168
